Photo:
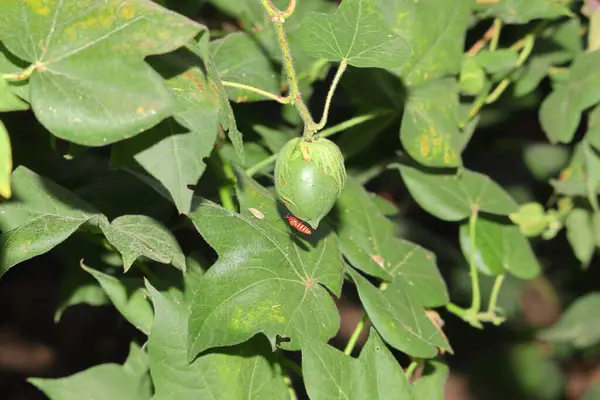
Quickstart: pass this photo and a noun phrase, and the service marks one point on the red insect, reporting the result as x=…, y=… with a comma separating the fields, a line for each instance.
x=295, y=223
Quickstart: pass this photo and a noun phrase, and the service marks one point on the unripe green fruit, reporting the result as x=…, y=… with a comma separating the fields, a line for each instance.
x=309, y=178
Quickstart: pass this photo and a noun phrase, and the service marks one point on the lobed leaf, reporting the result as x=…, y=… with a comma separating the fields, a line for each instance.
x=399, y=318
x=138, y=235
x=523, y=11
x=356, y=33
x=265, y=281
x=247, y=370
x=330, y=374
x=435, y=31
x=90, y=84
x=368, y=240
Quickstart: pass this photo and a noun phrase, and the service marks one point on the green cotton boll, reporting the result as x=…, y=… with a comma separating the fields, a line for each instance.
x=309, y=178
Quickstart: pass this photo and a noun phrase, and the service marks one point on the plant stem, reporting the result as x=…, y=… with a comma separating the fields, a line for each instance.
x=336, y=80
x=286, y=362
x=355, y=335
x=495, y=292
x=479, y=44
x=476, y=299
x=496, y=35
x=19, y=76
x=342, y=126
x=224, y=168
x=277, y=98
x=412, y=367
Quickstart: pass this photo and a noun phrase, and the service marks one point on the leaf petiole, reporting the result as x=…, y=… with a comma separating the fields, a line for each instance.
x=19, y=76
x=277, y=98
x=355, y=335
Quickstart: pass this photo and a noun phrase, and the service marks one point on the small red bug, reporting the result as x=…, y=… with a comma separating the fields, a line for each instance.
x=295, y=222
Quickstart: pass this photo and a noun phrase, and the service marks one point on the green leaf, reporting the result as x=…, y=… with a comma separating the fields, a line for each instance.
x=129, y=297
x=578, y=325
x=593, y=129
x=40, y=216
x=523, y=11
x=77, y=92
x=580, y=234
x=245, y=371
x=592, y=393
x=8, y=100
x=429, y=130
x=330, y=374
x=226, y=117
x=573, y=180
x=240, y=59
x=173, y=151
x=368, y=240
x=399, y=318
x=274, y=139
x=545, y=160
x=139, y=235
x=435, y=31
x=501, y=60
x=356, y=33
x=453, y=197
x=283, y=275
x=5, y=162
x=102, y=382
x=500, y=247
x=560, y=112
x=431, y=384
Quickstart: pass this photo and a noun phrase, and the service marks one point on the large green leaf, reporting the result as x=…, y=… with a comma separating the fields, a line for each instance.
x=40, y=216
x=78, y=287
x=431, y=384
x=356, y=33
x=101, y=382
x=267, y=279
x=129, y=297
x=172, y=152
x=399, y=318
x=240, y=59
x=523, y=11
x=245, y=371
x=79, y=93
x=500, y=247
x=435, y=31
x=454, y=197
x=560, y=112
x=330, y=374
x=138, y=235
x=368, y=240
x=5, y=162
x=429, y=130
x=578, y=325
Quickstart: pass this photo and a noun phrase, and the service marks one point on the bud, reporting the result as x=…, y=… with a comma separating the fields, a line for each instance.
x=309, y=178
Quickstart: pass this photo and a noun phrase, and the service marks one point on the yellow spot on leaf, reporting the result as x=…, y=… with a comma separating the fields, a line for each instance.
x=40, y=7
x=140, y=110
x=127, y=11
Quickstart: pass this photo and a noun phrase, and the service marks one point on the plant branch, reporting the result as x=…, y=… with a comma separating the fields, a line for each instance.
x=277, y=98
x=336, y=80
x=479, y=44
x=495, y=292
x=496, y=34
x=410, y=370
x=227, y=175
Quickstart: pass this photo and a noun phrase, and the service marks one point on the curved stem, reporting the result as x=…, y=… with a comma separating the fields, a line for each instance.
x=336, y=80
x=355, y=335
x=19, y=76
x=277, y=98
x=495, y=293
x=289, y=10
x=412, y=367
